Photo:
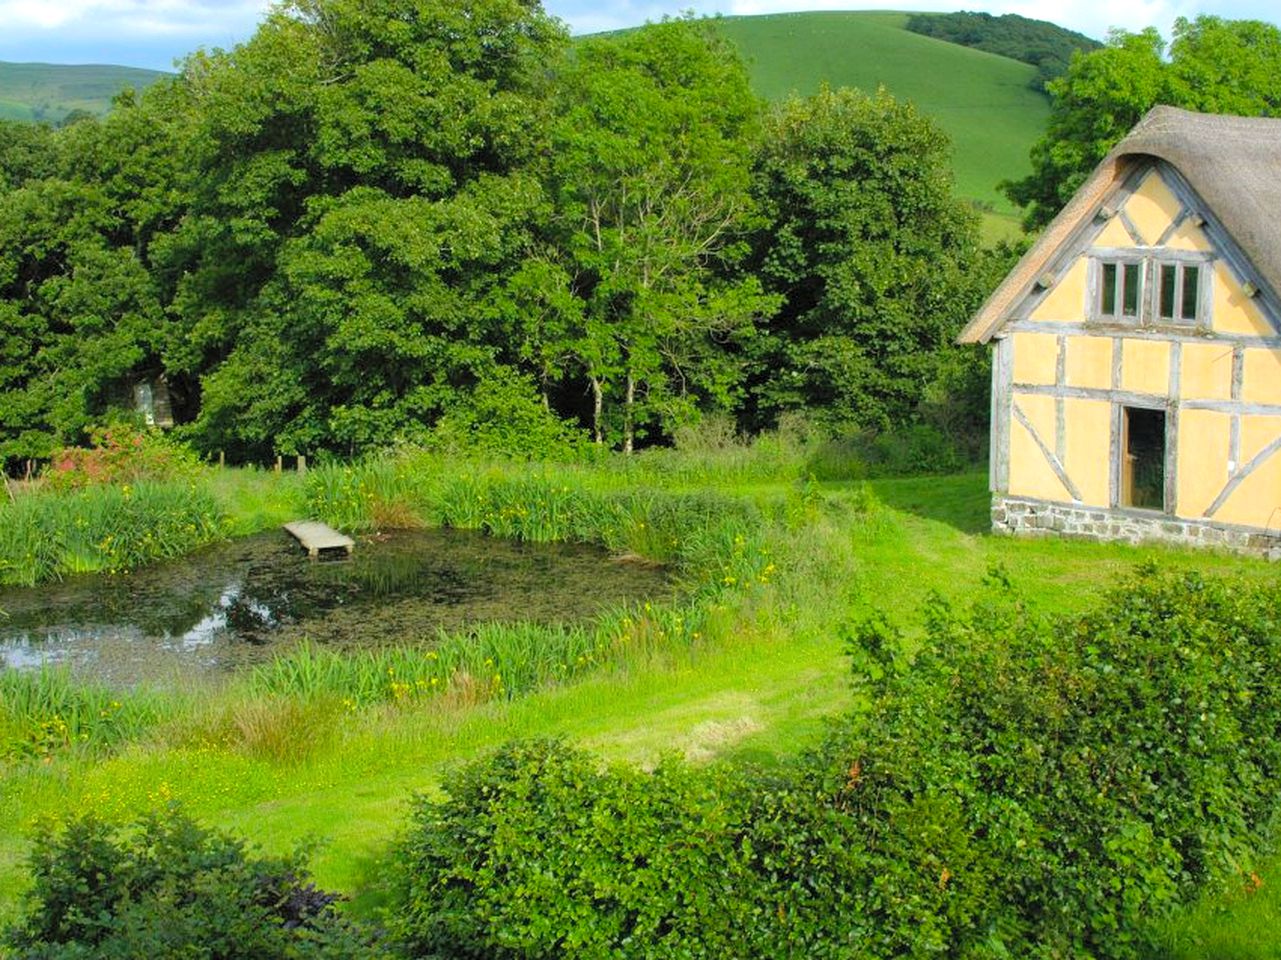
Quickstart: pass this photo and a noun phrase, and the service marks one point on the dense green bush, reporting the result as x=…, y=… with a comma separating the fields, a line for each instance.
x=1021, y=787
x=539, y=852
x=168, y=887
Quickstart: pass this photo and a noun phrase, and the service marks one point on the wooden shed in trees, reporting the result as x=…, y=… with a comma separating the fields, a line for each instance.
x=1136, y=382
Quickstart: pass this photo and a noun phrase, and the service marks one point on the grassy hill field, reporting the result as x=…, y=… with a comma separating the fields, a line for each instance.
x=48, y=92
x=984, y=102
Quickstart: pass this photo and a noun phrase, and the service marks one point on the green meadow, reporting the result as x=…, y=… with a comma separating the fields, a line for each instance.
x=984, y=102
x=746, y=665
x=48, y=92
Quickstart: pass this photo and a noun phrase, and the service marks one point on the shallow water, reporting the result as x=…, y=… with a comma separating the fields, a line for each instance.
x=237, y=603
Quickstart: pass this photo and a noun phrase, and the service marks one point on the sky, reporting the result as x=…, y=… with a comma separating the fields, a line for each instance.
x=155, y=33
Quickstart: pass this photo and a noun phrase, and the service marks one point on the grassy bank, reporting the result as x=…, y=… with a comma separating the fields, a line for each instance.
x=332, y=747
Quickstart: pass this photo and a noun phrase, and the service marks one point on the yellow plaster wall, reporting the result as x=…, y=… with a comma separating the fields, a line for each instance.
x=1089, y=362
x=1089, y=439
x=1030, y=473
x=1206, y=371
x=1114, y=235
x=1261, y=377
x=1257, y=433
x=1233, y=311
x=1189, y=236
x=1202, y=459
x=1152, y=208
x=1145, y=366
x=1065, y=301
x=1036, y=358
x=1257, y=501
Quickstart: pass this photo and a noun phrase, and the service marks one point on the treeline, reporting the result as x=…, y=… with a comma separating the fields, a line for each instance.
x=374, y=221
x=1044, y=45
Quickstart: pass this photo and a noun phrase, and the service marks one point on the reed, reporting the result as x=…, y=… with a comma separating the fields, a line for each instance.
x=48, y=535
x=47, y=711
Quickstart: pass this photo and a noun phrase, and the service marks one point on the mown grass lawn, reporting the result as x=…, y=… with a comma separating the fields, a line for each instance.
x=758, y=690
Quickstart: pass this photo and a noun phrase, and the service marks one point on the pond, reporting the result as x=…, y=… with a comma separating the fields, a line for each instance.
x=237, y=603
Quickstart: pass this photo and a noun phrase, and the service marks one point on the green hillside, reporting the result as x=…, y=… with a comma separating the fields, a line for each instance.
x=984, y=102
x=47, y=91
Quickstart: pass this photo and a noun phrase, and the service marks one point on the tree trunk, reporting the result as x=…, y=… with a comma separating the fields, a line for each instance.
x=629, y=430
x=598, y=402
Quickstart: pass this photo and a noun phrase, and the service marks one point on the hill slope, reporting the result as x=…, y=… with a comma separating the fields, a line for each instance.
x=985, y=102
x=47, y=91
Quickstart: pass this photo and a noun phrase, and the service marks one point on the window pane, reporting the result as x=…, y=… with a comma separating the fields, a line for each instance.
x=1191, y=291
x=1130, y=294
x=1108, y=306
x=1169, y=276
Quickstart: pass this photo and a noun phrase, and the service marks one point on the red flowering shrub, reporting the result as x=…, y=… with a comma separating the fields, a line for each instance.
x=119, y=453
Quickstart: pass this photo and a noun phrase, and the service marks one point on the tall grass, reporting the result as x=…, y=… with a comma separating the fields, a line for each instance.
x=47, y=535
x=706, y=535
x=488, y=661
x=48, y=711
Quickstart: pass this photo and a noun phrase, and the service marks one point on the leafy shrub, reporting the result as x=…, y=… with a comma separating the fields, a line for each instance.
x=540, y=852
x=169, y=887
x=1083, y=775
x=504, y=416
x=120, y=453
x=1021, y=787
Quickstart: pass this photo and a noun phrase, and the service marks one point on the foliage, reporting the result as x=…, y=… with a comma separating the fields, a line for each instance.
x=361, y=229
x=170, y=887
x=47, y=535
x=1213, y=66
x=504, y=417
x=877, y=264
x=650, y=176
x=607, y=862
x=120, y=453
x=1020, y=787
x=45, y=711
x=1044, y=45
x=368, y=183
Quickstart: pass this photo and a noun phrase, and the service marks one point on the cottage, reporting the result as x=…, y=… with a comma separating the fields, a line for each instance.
x=1136, y=382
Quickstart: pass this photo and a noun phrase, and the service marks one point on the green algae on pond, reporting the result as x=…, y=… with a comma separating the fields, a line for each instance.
x=240, y=602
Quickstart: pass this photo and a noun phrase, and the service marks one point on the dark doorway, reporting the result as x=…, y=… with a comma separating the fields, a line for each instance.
x=1143, y=466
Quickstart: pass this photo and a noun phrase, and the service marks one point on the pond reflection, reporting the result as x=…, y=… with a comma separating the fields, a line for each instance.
x=238, y=602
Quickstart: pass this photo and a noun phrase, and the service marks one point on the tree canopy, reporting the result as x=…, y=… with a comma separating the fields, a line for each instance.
x=377, y=219
x=1211, y=65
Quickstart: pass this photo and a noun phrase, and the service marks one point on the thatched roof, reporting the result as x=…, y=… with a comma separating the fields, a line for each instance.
x=1233, y=164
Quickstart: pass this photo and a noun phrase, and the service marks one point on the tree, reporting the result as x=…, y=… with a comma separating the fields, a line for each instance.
x=367, y=185
x=83, y=311
x=1214, y=66
x=651, y=179
x=873, y=256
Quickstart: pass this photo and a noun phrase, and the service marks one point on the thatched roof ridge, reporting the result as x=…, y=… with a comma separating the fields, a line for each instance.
x=1233, y=164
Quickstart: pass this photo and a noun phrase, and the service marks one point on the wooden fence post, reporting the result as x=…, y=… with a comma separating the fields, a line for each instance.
x=302, y=463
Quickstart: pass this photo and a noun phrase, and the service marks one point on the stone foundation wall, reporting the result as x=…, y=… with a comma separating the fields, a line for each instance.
x=1039, y=518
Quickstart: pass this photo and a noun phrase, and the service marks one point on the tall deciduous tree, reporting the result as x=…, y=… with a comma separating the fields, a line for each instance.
x=81, y=302
x=871, y=253
x=1214, y=65
x=368, y=186
x=651, y=171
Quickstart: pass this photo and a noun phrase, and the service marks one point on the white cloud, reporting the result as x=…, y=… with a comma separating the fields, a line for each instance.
x=153, y=16
x=155, y=32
